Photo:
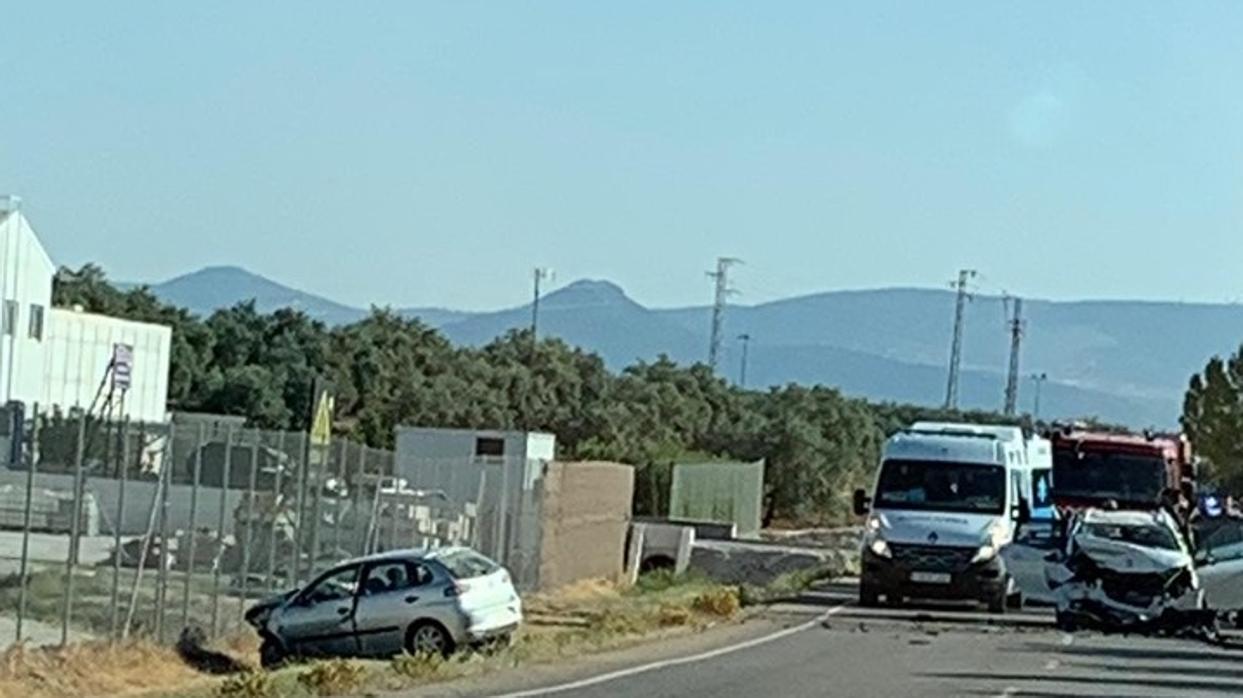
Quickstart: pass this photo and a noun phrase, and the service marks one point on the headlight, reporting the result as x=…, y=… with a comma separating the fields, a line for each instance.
x=985, y=553
x=880, y=548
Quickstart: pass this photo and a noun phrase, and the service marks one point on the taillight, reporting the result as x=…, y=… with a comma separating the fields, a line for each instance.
x=456, y=589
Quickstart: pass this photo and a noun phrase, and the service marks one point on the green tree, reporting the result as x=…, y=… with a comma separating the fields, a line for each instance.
x=1213, y=419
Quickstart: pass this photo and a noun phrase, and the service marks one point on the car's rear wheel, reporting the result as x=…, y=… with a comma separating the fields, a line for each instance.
x=429, y=637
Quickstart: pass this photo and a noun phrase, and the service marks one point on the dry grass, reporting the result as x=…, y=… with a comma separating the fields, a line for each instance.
x=582, y=618
x=91, y=669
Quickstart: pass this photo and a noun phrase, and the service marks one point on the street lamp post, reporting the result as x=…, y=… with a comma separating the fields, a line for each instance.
x=1038, y=379
x=540, y=274
x=742, y=371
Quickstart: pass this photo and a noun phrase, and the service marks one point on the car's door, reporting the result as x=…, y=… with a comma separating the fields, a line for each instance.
x=320, y=620
x=1219, y=559
x=393, y=594
x=1025, y=559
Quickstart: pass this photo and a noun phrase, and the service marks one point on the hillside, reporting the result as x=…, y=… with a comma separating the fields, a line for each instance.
x=1120, y=360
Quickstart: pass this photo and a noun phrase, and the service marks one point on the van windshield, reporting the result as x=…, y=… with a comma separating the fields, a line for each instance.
x=942, y=486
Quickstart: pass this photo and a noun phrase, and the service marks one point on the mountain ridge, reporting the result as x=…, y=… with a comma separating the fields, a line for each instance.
x=1122, y=360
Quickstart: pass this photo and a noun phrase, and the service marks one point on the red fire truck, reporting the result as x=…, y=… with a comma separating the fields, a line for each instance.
x=1140, y=471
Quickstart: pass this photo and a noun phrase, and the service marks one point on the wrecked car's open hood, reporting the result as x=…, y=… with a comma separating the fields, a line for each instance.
x=1129, y=558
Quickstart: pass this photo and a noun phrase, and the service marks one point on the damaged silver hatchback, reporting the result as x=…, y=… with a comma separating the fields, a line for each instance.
x=1122, y=568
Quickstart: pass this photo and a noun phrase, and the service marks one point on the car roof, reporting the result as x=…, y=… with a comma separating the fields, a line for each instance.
x=403, y=554
x=1127, y=517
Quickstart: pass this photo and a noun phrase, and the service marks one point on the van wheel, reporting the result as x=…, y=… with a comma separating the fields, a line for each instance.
x=997, y=602
x=429, y=637
x=868, y=596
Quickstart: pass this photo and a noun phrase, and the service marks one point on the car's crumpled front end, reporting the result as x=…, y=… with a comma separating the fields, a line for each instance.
x=1115, y=583
x=258, y=614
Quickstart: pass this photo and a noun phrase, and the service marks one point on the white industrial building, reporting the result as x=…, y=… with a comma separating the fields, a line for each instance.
x=59, y=357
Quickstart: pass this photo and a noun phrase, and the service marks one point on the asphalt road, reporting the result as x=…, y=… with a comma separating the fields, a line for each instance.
x=913, y=652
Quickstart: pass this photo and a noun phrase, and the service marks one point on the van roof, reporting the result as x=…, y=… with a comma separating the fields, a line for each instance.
x=999, y=432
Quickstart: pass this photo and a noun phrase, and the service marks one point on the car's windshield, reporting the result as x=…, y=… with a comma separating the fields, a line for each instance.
x=1095, y=475
x=1148, y=536
x=942, y=486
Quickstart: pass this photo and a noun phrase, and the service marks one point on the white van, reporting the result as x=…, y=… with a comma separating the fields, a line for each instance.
x=947, y=498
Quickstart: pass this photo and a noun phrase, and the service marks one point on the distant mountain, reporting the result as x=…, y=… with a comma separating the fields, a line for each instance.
x=1119, y=360
x=596, y=315
x=212, y=288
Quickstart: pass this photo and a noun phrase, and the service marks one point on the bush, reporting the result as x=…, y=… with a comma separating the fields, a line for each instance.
x=418, y=666
x=670, y=616
x=723, y=602
x=332, y=678
x=251, y=684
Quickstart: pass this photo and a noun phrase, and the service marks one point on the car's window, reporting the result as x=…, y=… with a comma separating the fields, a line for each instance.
x=464, y=564
x=334, y=586
x=1147, y=536
x=393, y=576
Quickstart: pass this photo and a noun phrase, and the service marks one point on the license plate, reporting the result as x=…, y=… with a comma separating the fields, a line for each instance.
x=930, y=577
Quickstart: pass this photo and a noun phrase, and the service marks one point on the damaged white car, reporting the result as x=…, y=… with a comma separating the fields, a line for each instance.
x=1122, y=569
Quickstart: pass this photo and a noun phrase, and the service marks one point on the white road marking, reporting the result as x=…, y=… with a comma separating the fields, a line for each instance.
x=1008, y=693
x=653, y=666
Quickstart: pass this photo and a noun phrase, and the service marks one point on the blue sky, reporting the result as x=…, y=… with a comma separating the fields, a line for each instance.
x=414, y=153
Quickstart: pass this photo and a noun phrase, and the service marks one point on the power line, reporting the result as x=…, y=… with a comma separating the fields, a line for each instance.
x=721, y=294
x=951, y=387
x=1012, y=377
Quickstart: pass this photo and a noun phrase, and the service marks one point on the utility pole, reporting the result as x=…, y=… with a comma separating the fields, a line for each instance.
x=540, y=274
x=951, y=387
x=742, y=372
x=1038, y=379
x=1012, y=377
x=721, y=294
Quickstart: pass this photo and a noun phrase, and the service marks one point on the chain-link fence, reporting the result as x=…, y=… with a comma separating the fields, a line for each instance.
x=114, y=529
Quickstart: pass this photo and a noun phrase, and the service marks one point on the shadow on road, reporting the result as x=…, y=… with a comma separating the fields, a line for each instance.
x=1061, y=678
x=1127, y=653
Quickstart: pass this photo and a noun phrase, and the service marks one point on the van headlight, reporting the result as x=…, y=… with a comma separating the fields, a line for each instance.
x=994, y=538
x=880, y=548
x=984, y=553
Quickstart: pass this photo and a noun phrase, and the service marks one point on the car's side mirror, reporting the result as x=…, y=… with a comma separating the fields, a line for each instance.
x=862, y=505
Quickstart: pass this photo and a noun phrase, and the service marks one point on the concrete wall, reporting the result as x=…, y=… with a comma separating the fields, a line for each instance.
x=139, y=496
x=585, y=518
x=420, y=444
x=79, y=349
x=26, y=281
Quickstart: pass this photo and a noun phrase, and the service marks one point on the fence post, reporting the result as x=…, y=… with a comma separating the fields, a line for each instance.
x=224, y=505
x=74, y=530
x=192, y=544
x=33, y=452
x=250, y=526
x=161, y=577
x=356, y=491
x=115, y=619
x=278, y=497
x=145, y=549
x=295, y=557
x=336, y=509
x=316, y=506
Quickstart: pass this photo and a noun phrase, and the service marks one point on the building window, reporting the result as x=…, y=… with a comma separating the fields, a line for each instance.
x=489, y=447
x=36, y=322
x=10, y=318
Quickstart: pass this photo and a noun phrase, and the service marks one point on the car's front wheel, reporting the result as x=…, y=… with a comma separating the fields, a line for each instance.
x=429, y=637
x=271, y=654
